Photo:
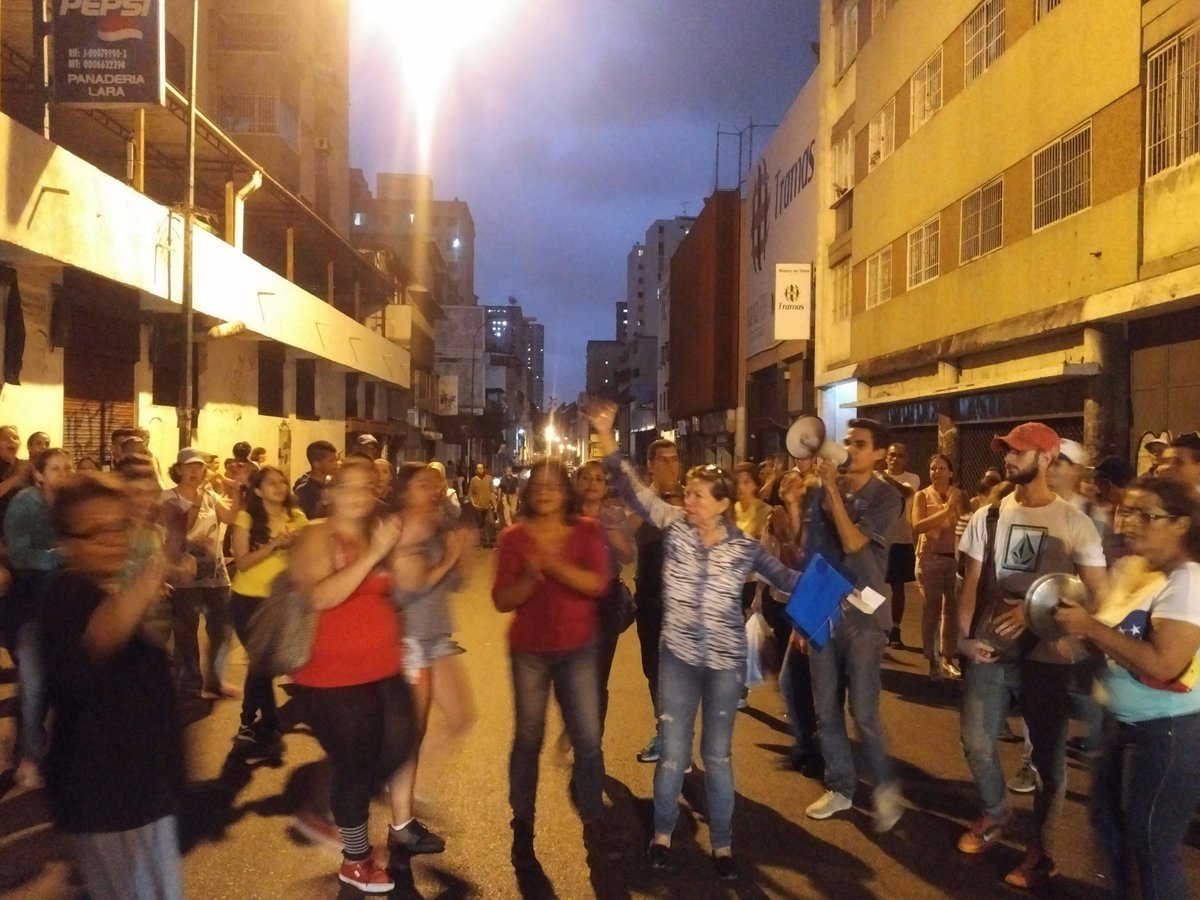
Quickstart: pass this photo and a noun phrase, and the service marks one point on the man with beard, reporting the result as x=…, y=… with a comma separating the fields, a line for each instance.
x=1036, y=532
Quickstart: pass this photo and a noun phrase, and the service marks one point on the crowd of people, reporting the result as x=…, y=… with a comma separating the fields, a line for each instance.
x=108, y=576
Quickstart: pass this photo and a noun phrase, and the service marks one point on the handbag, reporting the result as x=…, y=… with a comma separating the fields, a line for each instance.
x=281, y=630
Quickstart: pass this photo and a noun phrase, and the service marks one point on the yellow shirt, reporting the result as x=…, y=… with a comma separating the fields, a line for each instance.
x=752, y=519
x=256, y=580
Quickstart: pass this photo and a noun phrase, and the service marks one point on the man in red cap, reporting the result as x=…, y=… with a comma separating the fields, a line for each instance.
x=1034, y=532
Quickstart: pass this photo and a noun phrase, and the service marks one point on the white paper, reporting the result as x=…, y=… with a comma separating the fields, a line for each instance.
x=867, y=600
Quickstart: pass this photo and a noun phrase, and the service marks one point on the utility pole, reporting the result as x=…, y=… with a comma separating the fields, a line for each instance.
x=189, y=218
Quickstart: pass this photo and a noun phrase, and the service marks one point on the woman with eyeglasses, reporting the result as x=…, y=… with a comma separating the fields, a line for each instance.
x=114, y=768
x=553, y=573
x=1147, y=786
x=352, y=688
x=702, y=652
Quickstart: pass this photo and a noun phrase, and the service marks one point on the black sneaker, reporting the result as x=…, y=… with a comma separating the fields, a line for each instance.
x=523, y=856
x=658, y=856
x=414, y=839
x=894, y=640
x=257, y=743
x=726, y=867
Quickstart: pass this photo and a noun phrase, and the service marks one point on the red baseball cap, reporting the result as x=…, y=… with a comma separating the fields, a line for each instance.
x=1028, y=436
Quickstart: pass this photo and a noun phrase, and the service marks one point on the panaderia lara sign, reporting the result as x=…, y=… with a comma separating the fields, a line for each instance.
x=109, y=53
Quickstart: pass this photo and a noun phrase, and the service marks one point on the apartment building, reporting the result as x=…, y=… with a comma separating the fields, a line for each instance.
x=1011, y=231
x=93, y=245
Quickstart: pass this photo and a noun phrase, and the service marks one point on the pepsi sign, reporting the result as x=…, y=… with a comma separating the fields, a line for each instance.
x=109, y=53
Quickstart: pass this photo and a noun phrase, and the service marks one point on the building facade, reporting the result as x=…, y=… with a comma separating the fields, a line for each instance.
x=1009, y=235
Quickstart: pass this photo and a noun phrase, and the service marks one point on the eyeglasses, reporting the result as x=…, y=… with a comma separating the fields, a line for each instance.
x=1143, y=516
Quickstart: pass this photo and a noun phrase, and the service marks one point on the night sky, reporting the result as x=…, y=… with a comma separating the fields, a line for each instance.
x=576, y=124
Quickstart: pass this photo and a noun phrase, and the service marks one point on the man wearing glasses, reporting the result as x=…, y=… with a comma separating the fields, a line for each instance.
x=1036, y=533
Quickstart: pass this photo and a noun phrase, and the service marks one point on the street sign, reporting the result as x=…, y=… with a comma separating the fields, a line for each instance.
x=109, y=53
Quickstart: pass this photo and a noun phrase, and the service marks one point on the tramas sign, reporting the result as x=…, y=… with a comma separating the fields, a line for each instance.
x=109, y=53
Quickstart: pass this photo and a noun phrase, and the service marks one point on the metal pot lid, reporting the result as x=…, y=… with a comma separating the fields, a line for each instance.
x=1043, y=598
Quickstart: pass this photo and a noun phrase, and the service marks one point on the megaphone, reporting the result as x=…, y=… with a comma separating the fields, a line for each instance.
x=807, y=438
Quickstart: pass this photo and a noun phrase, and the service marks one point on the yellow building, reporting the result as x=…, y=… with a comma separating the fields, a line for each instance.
x=92, y=245
x=1013, y=231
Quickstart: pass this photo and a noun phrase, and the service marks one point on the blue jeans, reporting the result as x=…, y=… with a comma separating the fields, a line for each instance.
x=683, y=688
x=31, y=679
x=849, y=665
x=795, y=684
x=573, y=674
x=1042, y=689
x=1146, y=791
x=142, y=863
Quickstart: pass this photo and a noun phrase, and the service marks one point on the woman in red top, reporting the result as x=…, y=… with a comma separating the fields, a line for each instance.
x=352, y=689
x=553, y=572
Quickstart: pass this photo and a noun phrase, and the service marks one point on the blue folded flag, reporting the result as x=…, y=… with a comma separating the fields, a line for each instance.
x=815, y=604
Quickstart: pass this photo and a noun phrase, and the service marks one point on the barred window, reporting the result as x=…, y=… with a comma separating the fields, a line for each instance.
x=881, y=135
x=263, y=32
x=926, y=91
x=839, y=280
x=845, y=37
x=1173, y=102
x=982, y=221
x=1044, y=6
x=984, y=38
x=1062, y=177
x=879, y=277
x=257, y=114
x=923, y=252
x=842, y=167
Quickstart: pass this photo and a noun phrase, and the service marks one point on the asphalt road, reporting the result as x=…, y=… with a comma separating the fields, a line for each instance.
x=238, y=843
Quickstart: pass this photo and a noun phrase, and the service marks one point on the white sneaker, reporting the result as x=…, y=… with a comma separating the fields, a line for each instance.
x=888, y=807
x=829, y=803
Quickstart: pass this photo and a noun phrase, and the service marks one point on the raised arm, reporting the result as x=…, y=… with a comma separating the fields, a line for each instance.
x=643, y=501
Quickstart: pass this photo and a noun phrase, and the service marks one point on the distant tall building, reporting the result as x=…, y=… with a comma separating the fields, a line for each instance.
x=603, y=358
x=622, y=320
x=404, y=209
x=535, y=362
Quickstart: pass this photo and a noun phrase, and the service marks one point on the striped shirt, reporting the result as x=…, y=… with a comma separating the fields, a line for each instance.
x=703, y=624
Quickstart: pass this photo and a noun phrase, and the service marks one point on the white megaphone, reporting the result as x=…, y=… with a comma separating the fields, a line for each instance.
x=807, y=438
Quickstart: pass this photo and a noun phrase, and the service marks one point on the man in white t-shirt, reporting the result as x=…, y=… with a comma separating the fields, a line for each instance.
x=902, y=558
x=1036, y=533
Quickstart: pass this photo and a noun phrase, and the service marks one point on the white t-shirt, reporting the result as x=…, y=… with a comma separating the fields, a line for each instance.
x=1032, y=541
x=902, y=532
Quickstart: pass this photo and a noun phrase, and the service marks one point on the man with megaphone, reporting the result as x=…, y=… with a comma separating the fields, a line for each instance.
x=862, y=510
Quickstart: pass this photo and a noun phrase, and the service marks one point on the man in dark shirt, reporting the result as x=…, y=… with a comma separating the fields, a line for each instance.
x=14, y=473
x=662, y=459
x=310, y=487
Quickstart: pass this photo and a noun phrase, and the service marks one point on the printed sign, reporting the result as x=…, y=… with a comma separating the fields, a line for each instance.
x=793, y=302
x=109, y=53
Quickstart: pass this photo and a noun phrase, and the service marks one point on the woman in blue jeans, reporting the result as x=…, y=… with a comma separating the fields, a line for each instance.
x=1147, y=786
x=702, y=652
x=553, y=573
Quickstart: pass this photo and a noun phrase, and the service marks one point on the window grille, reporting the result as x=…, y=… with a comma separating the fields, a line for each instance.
x=845, y=37
x=1044, y=6
x=1173, y=102
x=843, y=165
x=839, y=277
x=1062, y=178
x=878, y=14
x=984, y=38
x=264, y=32
x=926, y=91
x=982, y=221
x=879, y=277
x=881, y=135
x=923, y=252
x=258, y=114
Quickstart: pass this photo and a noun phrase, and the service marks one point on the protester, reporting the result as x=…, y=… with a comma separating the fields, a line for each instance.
x=509, y=485
x=591, y=493
x=368, y=446
x=114, y=769
x=451, y=507
x=553, y=572
x=265, y=528
x=33, y=555
x=309, y=489
x=383, y=483
x=38, y=442
x=1036, y=533
x=1181, y=461
x=1147, y=786
x=15, y=474
x=425, y=572
x=352, y=689
x=193, y=513
x=935, y=510
x=901, y=567
x=703, y=647
x=482, y=495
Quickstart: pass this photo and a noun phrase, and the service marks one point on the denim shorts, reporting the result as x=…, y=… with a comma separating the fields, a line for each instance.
x=421, y=652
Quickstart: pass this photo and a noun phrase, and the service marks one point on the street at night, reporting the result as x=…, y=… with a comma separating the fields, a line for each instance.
x=238, y=844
